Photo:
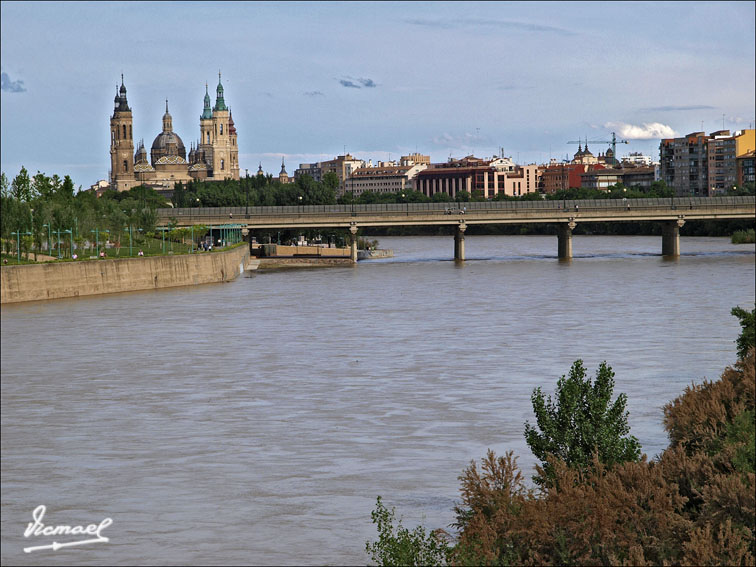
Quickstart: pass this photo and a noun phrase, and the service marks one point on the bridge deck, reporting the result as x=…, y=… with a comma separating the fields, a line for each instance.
x=488, y=212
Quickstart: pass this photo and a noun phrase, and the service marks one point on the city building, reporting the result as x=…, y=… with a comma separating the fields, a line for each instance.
x=723, y=151
x=386, y=177
x=342, y=166
x=415, y=159
x=629, y=176
x=703, y=165
x=471, y=174
x=215, y=155
x=636, y=158
x=745, y=168
x=562, y=176
x=312, y=169
x=639, y=177
x=100, y=187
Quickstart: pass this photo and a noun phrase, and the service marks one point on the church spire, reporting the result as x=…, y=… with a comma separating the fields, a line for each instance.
x=167, y=119
x=220, y=104
x=123, y=104
x=207, y=113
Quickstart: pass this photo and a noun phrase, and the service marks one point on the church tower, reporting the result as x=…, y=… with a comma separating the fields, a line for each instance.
x=205, y=147
x=122, y=176
x=225, y=157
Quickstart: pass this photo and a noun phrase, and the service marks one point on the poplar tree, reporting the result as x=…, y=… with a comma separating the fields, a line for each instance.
x=581, y=421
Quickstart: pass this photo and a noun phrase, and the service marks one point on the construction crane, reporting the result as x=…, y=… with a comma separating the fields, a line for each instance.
x=614, y=141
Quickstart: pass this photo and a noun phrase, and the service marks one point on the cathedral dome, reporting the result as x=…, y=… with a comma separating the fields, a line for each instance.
x=166, y=141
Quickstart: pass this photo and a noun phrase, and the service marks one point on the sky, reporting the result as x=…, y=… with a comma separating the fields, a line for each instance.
x=309, y=81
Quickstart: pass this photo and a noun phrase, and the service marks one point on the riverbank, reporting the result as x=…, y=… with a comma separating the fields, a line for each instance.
x=33, y=282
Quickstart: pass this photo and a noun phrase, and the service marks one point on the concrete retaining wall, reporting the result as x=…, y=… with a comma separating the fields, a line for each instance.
x=276, y=263
x=277, y=250
x=93, y=277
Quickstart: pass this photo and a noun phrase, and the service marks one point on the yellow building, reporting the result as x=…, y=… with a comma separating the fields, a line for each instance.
x=214, y=157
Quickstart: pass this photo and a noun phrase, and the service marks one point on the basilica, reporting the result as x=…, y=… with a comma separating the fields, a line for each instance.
x=215, y=155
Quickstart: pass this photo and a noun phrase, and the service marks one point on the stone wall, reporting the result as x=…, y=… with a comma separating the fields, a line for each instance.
x=55, y=280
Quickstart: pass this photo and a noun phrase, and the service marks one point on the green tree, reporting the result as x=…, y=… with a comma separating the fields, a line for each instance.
x=331, y=182
x=21, y=186
x=404, y=546
x=581, y=422
x=4, y=185
x=747, y=338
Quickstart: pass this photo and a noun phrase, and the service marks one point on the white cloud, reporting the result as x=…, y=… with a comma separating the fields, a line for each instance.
x=647, y=131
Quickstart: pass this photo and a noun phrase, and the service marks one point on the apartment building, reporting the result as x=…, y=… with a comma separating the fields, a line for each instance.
x=637, y=158
x=703, y=165
x=745, y=168
x=629, y=176
x=312, y=169
x=724, y=150
x=386, y=177
x=685, y=164
x=562, y=176
x=342, y=166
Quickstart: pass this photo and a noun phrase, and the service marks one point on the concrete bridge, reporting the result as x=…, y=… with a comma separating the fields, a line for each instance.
x=672, y=213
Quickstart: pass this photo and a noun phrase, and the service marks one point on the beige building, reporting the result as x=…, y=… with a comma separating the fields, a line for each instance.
x=342, y=166
x=415, y=159
x=384, y=178
x=215, y=156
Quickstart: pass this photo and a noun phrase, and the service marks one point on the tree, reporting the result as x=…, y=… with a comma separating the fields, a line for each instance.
x=580, y=423
x=331, y=182
x=21, y=186
x=404, y=547
x=747, y=338
x=4, y=185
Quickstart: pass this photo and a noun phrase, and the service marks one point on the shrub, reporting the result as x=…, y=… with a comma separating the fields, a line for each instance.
x=400, y=546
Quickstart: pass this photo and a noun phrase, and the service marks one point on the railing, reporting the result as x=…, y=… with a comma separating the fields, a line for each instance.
x=228, y=214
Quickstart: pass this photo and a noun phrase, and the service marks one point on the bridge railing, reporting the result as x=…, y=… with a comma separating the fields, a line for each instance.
x=229, y=213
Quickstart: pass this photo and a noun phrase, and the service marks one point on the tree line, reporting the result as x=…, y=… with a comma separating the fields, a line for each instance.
x=35, y=209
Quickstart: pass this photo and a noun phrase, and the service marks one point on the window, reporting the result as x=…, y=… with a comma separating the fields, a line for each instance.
x=223, y=163
x=221, y=129
x=124, y=131
x=125, y=163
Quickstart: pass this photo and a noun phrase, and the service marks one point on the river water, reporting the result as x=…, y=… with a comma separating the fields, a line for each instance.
x=255, y=422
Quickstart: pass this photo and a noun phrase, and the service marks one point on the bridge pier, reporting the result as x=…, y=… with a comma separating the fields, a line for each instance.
x=564, y=239
x=671, y=237
x=459, y=242
x=353, y=243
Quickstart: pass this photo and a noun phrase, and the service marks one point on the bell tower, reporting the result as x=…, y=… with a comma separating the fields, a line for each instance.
x=122, y=176
x=223, y=168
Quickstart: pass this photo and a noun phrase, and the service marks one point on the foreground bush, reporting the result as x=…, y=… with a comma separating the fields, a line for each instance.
x=693, y=506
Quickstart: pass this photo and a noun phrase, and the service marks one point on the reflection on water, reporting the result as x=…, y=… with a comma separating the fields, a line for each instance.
x=256, y=421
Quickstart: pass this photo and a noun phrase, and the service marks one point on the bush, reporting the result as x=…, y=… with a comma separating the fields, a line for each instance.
x=404, y=547
x=743, y=236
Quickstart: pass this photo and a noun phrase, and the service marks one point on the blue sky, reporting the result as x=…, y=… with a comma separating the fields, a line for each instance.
x=308, y=80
